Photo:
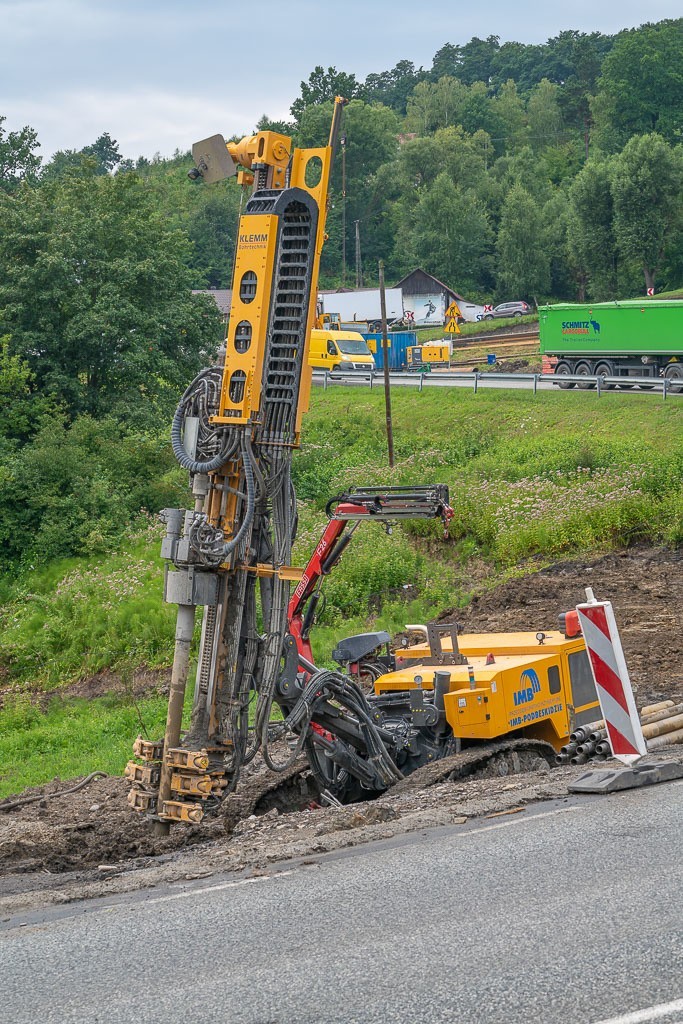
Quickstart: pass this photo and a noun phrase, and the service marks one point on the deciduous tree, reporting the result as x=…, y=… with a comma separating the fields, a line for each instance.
x=452, y=237
x=95, y=292
x=591, y=242
x=18, y=159
x=523, y=259
x=641, y=85
x=321, y=87
x=646, y=188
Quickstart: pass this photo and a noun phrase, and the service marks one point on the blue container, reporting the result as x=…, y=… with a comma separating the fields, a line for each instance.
x=490, y=359
x=399, y=342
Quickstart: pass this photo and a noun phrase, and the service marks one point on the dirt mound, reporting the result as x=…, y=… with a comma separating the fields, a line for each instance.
x=514, y=365
x=92, y=827
x=645, y=586
x=142, y=682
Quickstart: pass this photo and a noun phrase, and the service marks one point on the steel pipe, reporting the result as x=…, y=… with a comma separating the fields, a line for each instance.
x=583, y=731
x=667, y=739
x=652, y=708
x=176, y=698
x=659, y=728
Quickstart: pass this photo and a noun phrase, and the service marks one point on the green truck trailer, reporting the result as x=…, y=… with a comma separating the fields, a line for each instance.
x=627, y=338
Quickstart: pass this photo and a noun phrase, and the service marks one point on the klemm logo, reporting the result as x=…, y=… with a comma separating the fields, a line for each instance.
x=530, y=686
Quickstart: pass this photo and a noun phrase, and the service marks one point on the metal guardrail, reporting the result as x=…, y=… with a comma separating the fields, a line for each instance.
x=534, y=381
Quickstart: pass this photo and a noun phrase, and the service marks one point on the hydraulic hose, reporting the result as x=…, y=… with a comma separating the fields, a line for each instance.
x=188, y=463
x=247, y=459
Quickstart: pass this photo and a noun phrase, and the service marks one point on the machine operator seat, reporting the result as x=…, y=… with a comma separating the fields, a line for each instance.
x=354, y=648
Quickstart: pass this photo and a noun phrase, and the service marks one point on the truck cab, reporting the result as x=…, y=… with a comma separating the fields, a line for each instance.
x=339, y=350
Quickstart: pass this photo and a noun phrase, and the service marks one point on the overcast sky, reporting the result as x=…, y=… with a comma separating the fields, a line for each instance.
x=160, y=74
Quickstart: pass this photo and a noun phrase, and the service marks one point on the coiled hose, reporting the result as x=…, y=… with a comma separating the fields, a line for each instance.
x=188, y=463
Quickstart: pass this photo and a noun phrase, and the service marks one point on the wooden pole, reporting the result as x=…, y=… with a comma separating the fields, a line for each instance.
x=343, y=149
x=359, y=265
x=385, y=353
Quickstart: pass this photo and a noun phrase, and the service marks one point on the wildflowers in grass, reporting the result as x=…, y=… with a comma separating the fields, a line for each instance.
x=514, y=519
x=111, y=587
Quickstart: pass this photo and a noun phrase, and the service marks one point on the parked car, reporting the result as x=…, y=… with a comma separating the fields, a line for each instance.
x=509, y=309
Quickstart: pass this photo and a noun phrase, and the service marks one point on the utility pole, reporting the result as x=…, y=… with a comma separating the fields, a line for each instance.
x=343, y=151
x=385, y=354
x=359, y=265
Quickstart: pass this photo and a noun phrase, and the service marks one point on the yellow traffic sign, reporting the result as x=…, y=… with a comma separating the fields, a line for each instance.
x=452, y=314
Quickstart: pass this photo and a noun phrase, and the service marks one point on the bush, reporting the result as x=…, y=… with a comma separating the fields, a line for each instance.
x=75, y=487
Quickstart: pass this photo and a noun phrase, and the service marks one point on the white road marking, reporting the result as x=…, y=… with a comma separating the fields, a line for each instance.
x=517, y=821
x=649, y=1013
x=214, y=888
x=281, y=874
x=140, y=905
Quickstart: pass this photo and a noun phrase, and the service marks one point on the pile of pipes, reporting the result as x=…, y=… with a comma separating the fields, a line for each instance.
x=662, y=726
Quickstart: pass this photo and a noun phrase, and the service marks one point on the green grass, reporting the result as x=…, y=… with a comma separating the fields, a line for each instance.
x=676, y=293
x=78, y=616
x=71, y=737
x=532, y=479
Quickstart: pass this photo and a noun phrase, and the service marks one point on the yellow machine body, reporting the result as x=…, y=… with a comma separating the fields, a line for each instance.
x=254, y=267
x=510, y=684
x=437, y=353
x=433, y=354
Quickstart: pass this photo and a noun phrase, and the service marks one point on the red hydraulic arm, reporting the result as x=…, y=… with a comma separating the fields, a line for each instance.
x=362, y=504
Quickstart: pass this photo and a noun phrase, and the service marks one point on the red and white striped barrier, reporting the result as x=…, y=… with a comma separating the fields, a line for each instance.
x=612, y=682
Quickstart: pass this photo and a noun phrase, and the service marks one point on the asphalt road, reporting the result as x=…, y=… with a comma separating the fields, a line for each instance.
x=566, y=912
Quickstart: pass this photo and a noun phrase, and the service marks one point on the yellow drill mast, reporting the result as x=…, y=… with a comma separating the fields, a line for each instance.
x=234, y=431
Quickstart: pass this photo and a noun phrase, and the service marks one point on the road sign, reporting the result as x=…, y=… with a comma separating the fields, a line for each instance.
x=452, y=314
x=608, y=665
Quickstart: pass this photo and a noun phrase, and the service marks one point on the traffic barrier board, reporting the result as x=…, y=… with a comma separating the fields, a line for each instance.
x=608, y=665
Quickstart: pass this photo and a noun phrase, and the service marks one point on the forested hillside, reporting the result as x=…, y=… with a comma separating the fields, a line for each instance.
x=507, y=170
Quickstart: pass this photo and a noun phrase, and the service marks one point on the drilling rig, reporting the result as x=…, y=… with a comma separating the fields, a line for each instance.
x=234, y=431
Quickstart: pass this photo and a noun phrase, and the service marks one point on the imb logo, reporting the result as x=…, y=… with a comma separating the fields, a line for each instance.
x=530, y=684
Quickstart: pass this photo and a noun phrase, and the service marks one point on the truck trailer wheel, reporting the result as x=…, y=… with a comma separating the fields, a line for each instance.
x=605, y=369
x=563, y=369
x=584, y=369
x=674, y=373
